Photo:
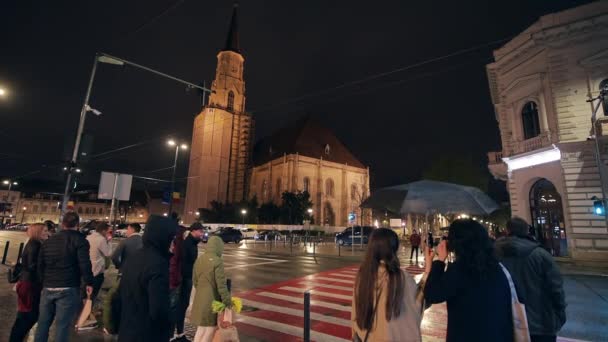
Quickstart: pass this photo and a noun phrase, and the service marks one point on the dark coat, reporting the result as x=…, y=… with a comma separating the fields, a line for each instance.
x=29, y=261
x=126, y=248
x=64, y=260
x=538, y=283
x=189, y=255
x=144, y=286
x=478, y=310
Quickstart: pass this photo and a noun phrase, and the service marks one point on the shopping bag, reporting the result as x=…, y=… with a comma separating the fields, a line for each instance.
x=226, y=331
x=521, y=331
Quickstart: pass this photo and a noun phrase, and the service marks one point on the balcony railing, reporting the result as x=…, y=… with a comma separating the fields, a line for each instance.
x=494, y=157
x=544, y=139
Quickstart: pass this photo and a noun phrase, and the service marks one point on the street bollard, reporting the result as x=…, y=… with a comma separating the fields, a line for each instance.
x=291, y=246
x=314, y=245
x=339, y=247
x=307, y=316
x=229, y=284
x=5, y=252
x=20, y=252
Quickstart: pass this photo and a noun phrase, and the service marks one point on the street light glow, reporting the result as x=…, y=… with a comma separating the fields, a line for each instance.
x=184, y=147
x=244, y=212
x=198, y=213
x=24, y=208
x=165, y=214
x=309, y=210
x=6, y=182
x=2, y=92
x=171, y=142
x=78, y=170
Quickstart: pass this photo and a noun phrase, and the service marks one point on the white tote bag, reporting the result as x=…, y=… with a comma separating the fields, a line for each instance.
x=521, y=331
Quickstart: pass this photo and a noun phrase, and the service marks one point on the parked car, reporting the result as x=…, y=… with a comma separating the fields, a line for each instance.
x=248, y=233
x=229, y=234
x=346, y=236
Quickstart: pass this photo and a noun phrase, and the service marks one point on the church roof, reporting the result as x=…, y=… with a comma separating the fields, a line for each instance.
x=308, y=138
x=232, y=41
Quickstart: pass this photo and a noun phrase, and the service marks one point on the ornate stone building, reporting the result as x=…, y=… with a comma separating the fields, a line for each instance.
x=222, y=134
x=304, y=157
x=540, y=83
x=308, y=157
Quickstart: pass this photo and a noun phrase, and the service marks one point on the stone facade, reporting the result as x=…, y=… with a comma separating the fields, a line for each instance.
x=540, y=83
x=336, y=189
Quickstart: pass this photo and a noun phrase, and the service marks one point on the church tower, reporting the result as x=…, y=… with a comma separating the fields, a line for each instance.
x=220, y=157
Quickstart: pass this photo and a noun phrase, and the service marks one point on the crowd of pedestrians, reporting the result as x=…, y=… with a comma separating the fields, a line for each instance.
x=152, y=294
x=479, y=278
x=476, y=285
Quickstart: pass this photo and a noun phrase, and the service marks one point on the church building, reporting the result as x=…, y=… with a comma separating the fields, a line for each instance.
x=304, y=157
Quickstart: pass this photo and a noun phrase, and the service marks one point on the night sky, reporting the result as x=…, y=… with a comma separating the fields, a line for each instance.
x=320, y=58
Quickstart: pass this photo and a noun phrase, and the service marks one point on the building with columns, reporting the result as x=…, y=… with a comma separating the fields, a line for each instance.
x=220, y=156
x=306, y=157
x=309, y=157
x=540, y=83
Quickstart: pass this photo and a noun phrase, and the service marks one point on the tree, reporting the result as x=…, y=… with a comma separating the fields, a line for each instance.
x=460, y=170
x=294, y=207
x=269, y=213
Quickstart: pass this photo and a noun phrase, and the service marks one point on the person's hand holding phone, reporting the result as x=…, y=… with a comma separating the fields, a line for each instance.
x=442, y=250
x=429, y=254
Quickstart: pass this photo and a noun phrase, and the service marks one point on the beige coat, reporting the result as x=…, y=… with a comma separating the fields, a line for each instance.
x=405, y=327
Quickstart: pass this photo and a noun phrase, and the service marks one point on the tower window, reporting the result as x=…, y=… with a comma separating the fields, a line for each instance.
x=327, y=149
x=529, y=116
x=230, y=104
x=264, y=190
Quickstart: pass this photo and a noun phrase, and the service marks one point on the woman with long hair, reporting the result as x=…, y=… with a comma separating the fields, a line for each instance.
x=384, y=302
x=474, y=286
x=29, y=286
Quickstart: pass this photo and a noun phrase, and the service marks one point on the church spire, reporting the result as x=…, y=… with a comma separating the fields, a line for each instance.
x=232, y=42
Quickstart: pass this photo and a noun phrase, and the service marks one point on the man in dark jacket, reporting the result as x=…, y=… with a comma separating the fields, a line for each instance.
x=128, y=246
x=415, y=243
x=189, y=253
x=62, y=263
x=144, y=286
x=537, y=280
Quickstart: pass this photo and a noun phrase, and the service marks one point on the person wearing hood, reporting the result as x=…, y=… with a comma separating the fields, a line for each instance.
x=144, y=286
x=210, y=283
x=537, y=279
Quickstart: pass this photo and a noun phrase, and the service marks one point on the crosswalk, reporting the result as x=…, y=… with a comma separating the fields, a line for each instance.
x=275, y=312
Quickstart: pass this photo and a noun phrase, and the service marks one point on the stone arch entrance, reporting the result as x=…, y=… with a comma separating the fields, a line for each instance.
x=328, y=215
x=547, y=214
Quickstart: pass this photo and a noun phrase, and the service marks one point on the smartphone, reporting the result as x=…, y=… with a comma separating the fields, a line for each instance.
x=429, y=240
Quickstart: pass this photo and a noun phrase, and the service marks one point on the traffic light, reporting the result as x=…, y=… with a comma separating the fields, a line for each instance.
x=598, y=207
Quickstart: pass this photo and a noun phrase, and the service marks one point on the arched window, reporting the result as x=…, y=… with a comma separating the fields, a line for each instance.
x=329, y=187
x=100, y=211
x=604, y=89
x=529, y=117
x=264, y=190
x=86, y=210
x=306, y=185
x=353, y=192
x=278, y=188
x=80, y=210
x=230, y=104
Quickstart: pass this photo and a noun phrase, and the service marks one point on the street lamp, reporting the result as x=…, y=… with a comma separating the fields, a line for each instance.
x=244, y=213
x=107, y=59
x=3, y=92
x=23, y=213
x=183, y=146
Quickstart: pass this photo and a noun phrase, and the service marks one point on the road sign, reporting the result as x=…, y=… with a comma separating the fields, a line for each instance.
x=352, y=217
x=123, y=186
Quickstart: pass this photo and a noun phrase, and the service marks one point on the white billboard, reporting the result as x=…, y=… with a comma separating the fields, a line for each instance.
x=123, y=186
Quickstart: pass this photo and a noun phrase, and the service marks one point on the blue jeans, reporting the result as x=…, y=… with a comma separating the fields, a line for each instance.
x=62, y=305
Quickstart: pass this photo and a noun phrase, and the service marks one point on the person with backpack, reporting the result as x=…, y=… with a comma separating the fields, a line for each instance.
x=384, y=304
x=537, y=279
x=210, y=283
x=144, y=286
x=63, y=263
x=29, y=286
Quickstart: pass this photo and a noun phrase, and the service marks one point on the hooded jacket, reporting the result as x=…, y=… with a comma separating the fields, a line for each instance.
x=144, y=286
x=538, y=283
x=210, y=283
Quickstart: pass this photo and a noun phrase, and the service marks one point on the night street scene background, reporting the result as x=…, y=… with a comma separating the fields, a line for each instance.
x=319, y=123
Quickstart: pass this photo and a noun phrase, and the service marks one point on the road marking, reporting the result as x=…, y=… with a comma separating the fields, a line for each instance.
x=296, y=312
x=318, y=292
x=288, y=329
x=254, y=264
x=335, y=287
x=300, y=300
x=336, y=280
